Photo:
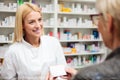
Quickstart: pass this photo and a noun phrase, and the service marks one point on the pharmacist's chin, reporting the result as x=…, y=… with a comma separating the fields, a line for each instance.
x=37, y=35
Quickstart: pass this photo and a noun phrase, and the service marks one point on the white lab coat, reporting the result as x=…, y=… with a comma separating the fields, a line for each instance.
x=23, y=61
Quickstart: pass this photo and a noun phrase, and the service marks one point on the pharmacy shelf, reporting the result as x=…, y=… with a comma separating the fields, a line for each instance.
x=79, y=0
x=94, y=40
x=77, y=27
x=6, y=26
x=7, y=10
x=83, y=66
x=77, y=13
x=86, y=65
x=44, y=12
x=49, y=27
x=4, y=42
x=85, y=53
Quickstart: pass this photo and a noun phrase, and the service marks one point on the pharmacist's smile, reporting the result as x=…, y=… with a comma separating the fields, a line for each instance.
x=37, y=31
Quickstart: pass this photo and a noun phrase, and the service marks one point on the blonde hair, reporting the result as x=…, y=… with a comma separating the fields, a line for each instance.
x=111, y=7
x=21, y=13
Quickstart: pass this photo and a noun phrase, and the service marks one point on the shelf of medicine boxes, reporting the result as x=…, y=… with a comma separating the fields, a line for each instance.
x=78, y=13
x=11, y=27
x=85, y=54
x=80, y=0
x=80, y=40
x=10, y=10
x=6, y=27
x=48, y=12
x=6, y=42
x=48, y=22
x=81, y=27
x=81, y=13
x=83, y=66
x=7, y=10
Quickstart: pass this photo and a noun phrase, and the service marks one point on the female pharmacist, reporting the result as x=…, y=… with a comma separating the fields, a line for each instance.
x=29, y=57
x=109, y=27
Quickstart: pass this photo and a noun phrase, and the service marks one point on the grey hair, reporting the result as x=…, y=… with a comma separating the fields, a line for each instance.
x=111, y=7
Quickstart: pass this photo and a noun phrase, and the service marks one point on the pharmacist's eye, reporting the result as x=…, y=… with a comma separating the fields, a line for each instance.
x=40, y=19
x=31, y=22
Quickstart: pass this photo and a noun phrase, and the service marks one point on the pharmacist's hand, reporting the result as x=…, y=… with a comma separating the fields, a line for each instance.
x=66, y=77
x=49, y=77
x=71, y=71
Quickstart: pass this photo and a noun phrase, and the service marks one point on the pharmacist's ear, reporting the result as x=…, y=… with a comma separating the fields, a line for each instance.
x=110, y=26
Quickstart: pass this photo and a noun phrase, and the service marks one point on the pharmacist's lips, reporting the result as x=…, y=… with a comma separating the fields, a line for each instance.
x=36, y=31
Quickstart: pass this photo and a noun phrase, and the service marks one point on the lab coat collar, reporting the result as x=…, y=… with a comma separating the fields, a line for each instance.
x=28, y=44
